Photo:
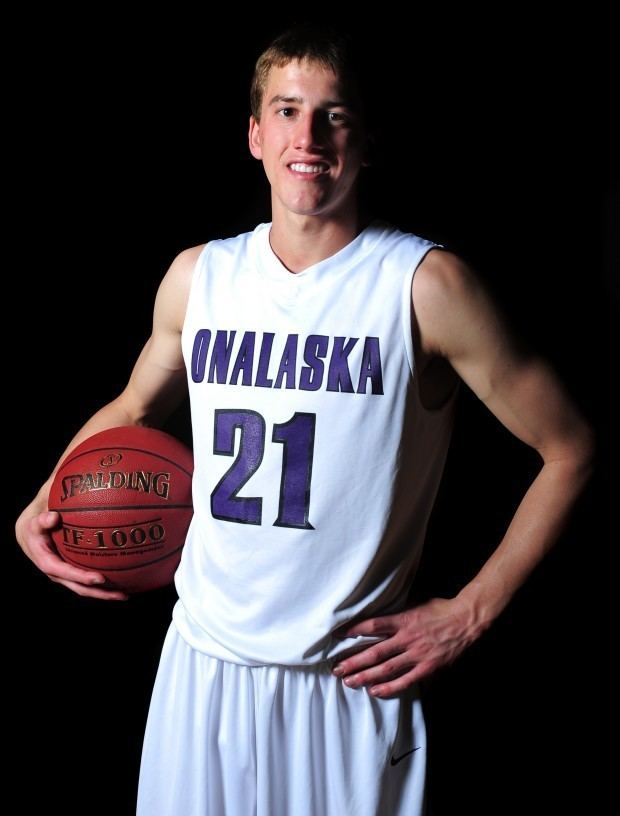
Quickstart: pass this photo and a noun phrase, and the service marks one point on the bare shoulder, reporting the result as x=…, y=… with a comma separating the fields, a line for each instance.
x=443, y=273
x=173, y=292
x=443, y=286
x=453, y=309
x=182, y=267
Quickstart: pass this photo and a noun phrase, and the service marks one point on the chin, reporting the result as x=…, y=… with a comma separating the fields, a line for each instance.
x=309, y=209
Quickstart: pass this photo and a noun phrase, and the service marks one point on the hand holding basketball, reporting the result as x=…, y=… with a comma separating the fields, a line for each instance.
x=33, y=532
x=124, y=498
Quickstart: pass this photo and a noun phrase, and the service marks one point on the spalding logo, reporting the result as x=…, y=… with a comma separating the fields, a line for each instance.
x=111, y=459
x=140, y=480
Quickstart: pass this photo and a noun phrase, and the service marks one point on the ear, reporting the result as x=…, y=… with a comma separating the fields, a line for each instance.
x=254, y=138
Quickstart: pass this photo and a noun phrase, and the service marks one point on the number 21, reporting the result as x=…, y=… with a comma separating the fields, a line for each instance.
x=297, y=436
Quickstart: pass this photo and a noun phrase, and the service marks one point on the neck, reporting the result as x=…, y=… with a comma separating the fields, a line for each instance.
x=300, y=241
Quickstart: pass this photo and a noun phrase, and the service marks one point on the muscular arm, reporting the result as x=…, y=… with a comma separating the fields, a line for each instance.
x=458, y=322
x=156, y=386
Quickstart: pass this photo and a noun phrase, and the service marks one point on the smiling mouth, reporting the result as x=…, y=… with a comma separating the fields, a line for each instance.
x=308, y=170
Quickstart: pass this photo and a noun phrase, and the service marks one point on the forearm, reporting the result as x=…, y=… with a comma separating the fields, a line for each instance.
x=535, y=527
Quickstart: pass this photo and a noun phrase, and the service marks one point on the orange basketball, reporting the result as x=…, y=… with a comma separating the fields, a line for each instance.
x=125, y=500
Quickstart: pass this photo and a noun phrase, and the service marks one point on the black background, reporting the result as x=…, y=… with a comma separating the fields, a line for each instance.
x=130, y=145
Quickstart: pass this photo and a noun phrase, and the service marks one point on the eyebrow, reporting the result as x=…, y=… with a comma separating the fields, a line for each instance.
x=298, y=100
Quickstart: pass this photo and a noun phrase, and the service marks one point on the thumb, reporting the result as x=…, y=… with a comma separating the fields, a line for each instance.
x=49, y=519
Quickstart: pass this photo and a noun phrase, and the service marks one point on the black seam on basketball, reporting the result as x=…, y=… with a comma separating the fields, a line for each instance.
x=123, y=569
x=126, y=448
x=110, y=526
x=105, y=508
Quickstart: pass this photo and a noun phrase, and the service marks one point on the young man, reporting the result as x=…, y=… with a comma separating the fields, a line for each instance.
x=316, y=349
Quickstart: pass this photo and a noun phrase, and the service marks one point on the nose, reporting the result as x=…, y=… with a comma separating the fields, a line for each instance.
x=309, y=132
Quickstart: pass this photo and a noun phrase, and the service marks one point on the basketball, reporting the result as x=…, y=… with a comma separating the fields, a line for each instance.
x=125, y=500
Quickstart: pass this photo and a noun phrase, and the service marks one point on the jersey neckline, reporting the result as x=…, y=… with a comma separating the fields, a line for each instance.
x=335, y=264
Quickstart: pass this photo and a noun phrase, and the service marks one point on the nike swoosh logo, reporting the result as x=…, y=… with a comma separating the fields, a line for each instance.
x=396, y=760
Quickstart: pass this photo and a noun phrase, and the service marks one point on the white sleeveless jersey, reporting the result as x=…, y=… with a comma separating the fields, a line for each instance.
x=316, y=464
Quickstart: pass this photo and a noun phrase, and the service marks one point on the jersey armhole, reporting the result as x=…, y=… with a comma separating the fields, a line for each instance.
x=197, y=276
x=410, y=332
x=407, y=308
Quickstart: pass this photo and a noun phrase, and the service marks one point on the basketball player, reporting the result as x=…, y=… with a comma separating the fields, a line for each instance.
x=322, y=351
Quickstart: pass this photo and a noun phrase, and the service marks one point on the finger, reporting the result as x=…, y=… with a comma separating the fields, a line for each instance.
x=39, y=542
x=43, y=554
x=49, y=519
x=402, y=683
x=44, y=521
x=384, y=625
x=58, y=569
x=389, y=669
x=370, y=656
x=87, y=592
x=45, y=557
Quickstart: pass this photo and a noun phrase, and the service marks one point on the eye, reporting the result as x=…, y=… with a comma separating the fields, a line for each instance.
x=286, y=111
x=338, y=119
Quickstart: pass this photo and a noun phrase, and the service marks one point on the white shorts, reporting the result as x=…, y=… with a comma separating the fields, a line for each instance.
x=224, y=739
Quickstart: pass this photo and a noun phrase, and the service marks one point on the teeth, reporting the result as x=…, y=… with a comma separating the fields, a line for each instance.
x=307, y=168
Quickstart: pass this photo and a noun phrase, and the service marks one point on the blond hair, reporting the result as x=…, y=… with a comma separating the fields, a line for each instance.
x=323, y=46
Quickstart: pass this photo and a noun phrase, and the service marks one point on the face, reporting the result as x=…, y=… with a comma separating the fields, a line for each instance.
x=310, y=141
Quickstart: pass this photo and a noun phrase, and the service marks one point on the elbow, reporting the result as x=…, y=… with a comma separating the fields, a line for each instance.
x=576, y=453
x=583, y=452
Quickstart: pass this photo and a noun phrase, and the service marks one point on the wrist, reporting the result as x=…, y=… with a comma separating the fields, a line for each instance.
x=485, y=604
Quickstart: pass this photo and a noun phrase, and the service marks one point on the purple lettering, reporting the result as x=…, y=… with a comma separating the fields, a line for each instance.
x=371, y=367
x=338, y=376
x=263, y=362
x=311, y=376
x=220, y=356
x=288, y=363
x=245, y=360
x=199, y=354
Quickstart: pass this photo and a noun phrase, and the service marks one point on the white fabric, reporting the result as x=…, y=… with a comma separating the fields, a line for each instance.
x=256, y=590
x=224, y=739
